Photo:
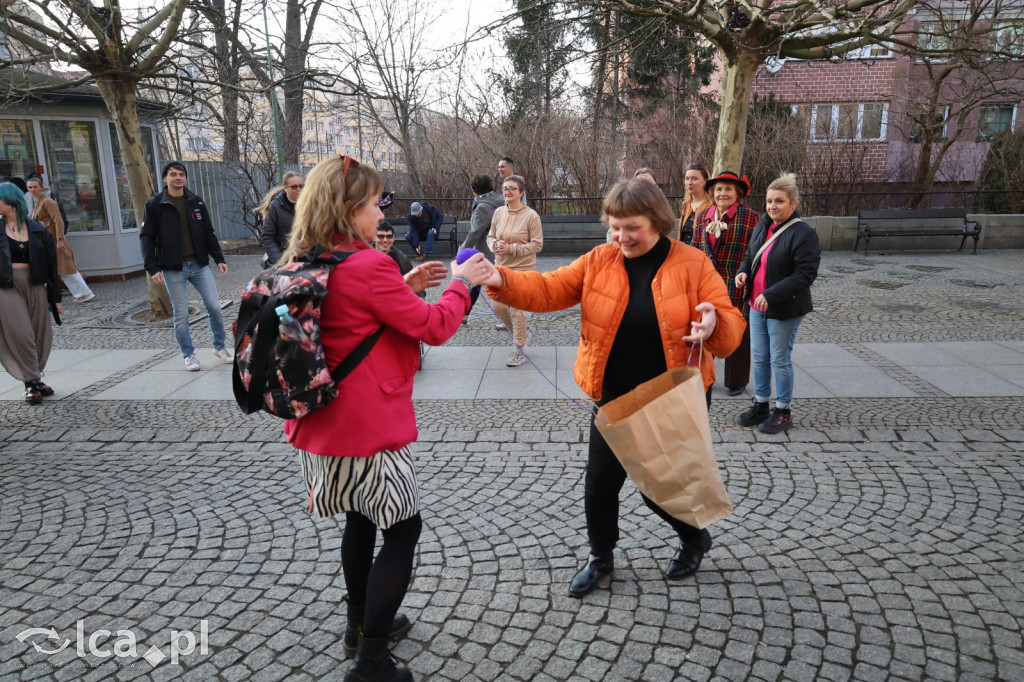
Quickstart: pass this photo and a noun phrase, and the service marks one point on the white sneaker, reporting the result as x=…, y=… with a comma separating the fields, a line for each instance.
x=517, y=358
x=191, y=363
x=226, y=356
x=85, y=298
x=499, y=326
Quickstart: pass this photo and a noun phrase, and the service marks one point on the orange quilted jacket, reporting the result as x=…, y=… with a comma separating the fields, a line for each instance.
x=597, y=280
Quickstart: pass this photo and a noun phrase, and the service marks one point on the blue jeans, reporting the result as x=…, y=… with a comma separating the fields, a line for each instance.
x=771, y=345
x=414, y=240
x=201, y=278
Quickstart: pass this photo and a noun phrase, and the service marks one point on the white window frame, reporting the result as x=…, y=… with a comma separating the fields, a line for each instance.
x=833, y=135
x=1011, y=32
x=1013, y=117
x=946, y=110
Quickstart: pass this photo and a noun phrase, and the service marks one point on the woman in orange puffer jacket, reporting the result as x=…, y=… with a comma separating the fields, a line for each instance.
x=645, y=299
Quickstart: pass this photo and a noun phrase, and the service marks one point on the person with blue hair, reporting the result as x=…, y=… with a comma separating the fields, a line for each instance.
x=29, y=287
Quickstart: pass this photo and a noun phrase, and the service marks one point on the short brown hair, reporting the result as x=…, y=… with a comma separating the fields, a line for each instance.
x=518, y=180
x=638, y=197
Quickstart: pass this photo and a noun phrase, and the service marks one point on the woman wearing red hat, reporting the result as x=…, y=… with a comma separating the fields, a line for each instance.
x=722, y=233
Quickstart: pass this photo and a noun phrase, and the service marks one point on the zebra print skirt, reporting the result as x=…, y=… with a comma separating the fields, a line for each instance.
x=381, y=487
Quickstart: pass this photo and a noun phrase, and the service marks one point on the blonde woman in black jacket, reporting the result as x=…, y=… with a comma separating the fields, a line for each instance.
x=777, y=282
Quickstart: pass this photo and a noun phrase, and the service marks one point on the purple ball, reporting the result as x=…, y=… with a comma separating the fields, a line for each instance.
x=464, y=255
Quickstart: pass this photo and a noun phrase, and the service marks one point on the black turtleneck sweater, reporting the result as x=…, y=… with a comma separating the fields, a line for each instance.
x=637, y=354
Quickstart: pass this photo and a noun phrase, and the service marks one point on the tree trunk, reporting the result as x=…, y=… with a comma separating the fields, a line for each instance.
x=293, y=82
x=737, y=86
x=119, y=94
x=226, y=50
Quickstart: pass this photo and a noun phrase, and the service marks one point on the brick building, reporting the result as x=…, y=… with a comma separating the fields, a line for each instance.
x=872, y=105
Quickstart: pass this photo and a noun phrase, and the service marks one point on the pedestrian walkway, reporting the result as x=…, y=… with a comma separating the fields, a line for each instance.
x=823, y=370
x=878, y=539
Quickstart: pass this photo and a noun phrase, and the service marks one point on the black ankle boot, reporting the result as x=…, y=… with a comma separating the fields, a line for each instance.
x=757, y=413
x=354, y=628
x=689, y=558
x=586, y=579
x=374, y=663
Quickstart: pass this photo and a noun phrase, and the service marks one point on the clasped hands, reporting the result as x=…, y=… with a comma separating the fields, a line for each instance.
x=478, y=270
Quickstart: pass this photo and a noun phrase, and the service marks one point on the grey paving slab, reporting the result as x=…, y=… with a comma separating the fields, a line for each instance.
x=824, y=355
x=456, y=357
x=565, y=381
x=543, y=357
x=206, y=385
x=514, y=383
x=913, y=353
x=961, y=380
x=64, y=384
x=857, y=382
x=451, y=384
x=982, y=353
x=806, y=386
x=150, y=385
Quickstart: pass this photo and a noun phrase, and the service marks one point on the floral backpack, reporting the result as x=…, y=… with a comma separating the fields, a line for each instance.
x=280, y=365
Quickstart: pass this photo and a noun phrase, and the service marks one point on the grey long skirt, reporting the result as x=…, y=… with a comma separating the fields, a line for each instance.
x=25, y=332
x=381, y=487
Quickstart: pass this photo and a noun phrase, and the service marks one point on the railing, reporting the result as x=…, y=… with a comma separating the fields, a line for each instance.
x=232, y=191
x=811, y=203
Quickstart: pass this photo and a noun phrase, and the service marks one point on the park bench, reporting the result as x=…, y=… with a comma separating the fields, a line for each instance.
x=448, y=233
x=938, y=222
x=567, y=228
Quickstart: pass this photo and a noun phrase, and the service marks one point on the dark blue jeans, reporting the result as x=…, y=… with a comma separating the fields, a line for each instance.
x=415, y=237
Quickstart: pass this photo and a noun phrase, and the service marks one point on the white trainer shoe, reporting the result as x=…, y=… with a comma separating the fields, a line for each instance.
x=192, y=363
x=226, y=356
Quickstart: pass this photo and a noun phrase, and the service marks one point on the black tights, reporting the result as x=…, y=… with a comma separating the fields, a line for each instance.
x=379, y=583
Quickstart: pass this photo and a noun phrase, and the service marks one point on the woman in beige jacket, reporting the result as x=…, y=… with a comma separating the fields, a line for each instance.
x=515, y=238
x=46, y=212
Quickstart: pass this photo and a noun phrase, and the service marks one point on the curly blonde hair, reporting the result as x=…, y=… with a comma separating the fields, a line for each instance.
x=326, y=204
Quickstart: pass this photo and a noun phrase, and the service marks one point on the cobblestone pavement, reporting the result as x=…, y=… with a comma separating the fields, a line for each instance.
x=879, y=540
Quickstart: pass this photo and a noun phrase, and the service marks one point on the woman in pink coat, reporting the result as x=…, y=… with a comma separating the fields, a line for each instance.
x=353, y=461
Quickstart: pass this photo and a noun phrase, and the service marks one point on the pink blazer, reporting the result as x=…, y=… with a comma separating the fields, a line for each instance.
x=373, y=410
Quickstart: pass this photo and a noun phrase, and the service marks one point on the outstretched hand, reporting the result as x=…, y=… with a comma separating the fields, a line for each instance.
x=476, y=269
x=703, y=327
x=427, y=275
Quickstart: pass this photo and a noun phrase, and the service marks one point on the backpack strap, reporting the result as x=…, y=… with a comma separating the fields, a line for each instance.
x=357, y=355
x=360, y=352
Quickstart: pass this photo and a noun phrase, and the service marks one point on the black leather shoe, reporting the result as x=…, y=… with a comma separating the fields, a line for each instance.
x=689, y=558
x=586, y=580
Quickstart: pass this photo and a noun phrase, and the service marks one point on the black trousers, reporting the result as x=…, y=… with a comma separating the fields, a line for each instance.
x=737, y=365
x=601, y=487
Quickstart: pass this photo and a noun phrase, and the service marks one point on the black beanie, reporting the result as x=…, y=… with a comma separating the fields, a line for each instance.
x=174, y=164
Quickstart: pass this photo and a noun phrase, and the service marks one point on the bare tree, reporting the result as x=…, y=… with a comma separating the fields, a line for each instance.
x=117, y=53
x=747, y=32
x=387, y=54
x=956, y=70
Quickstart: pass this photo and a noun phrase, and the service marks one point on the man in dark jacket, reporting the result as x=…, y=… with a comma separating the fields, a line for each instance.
x=485, y=202
x=177, y=243
x=424, y=225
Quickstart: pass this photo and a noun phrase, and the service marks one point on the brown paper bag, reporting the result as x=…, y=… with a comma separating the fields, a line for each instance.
x=660, y=433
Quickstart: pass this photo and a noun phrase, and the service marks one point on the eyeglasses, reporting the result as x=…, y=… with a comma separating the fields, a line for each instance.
x=510, y=189
x=385, y=237
x=295, y=186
